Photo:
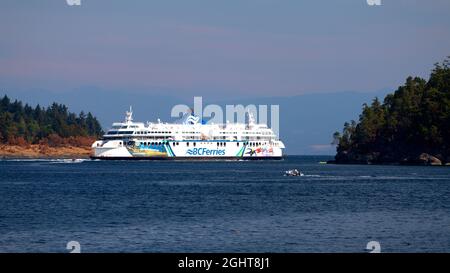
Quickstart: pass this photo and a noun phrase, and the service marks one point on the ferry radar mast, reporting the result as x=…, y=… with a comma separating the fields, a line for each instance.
x=129, y=115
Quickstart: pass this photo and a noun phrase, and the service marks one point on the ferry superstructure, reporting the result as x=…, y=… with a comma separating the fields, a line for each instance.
x=189, y=139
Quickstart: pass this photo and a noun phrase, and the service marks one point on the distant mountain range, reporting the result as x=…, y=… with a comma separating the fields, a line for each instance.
x=307, y=122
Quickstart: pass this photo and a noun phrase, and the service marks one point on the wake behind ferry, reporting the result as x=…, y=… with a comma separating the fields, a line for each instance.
x=188, y=139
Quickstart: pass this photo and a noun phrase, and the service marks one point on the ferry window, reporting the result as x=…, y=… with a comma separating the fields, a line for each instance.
x=194, y=144
x=237, y=144
x=187, y=144
x=224, y=144
x=174, y=144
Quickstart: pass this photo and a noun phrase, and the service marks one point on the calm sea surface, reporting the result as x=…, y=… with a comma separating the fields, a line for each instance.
x=158, y=206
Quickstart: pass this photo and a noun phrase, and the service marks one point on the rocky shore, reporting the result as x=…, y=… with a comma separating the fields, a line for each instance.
x=44, y=151
x=423, y=159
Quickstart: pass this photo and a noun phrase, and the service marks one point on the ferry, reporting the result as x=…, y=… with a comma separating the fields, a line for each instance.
x=188, y=139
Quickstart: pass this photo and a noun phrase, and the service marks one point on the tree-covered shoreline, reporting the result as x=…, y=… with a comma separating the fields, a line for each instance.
x=54, y=125
x=411, y=126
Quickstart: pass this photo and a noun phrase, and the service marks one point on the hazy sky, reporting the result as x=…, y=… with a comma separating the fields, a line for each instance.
x=241, y=48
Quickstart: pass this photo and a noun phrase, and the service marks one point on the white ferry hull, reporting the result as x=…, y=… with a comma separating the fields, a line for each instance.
x=186, y=150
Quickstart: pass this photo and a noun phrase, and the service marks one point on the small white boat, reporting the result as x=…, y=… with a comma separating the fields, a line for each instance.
x=293, y=172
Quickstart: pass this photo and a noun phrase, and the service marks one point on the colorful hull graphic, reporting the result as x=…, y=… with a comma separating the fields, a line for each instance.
x=192, y=149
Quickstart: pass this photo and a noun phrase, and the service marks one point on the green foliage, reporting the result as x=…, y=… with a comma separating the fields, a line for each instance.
x=35, y=124
x=414, y=119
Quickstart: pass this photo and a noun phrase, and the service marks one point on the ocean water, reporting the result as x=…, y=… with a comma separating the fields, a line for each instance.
x=248, y=206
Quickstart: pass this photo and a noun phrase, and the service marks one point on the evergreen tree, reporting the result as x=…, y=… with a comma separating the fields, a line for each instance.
x=18, y=122
x=415, y=119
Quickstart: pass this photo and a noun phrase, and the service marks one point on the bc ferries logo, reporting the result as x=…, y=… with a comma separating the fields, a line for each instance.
x=205, y=151
x=192, y=120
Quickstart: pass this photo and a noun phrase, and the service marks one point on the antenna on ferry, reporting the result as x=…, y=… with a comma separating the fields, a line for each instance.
x=129, y=115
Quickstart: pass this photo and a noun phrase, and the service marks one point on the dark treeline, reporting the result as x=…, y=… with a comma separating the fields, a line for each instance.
x=22, y=123
x=410, y=126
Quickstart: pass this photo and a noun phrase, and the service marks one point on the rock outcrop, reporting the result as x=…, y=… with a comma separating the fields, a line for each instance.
x=428, y=159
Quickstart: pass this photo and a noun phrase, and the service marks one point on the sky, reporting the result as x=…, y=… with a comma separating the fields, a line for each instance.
x=218, y=49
